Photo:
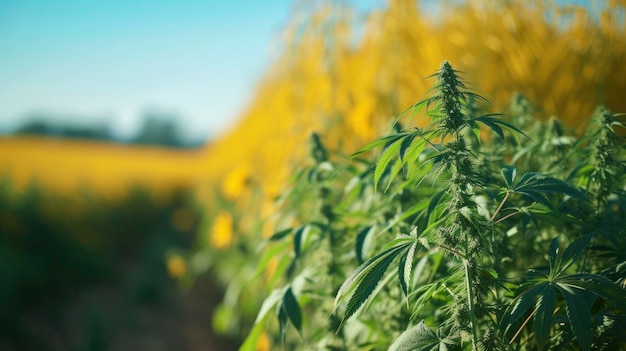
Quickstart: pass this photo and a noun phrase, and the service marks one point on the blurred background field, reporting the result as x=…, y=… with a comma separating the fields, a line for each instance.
x=125, y=232
x=106, y=169
x=93, y=235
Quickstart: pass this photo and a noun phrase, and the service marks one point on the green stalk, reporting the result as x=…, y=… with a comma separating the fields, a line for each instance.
x=451, y=97
x=506, y=217
x=470, y=300
x=506, y=197
x=320, y=155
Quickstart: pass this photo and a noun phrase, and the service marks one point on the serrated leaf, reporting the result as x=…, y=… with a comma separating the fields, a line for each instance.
x=404, y=269
x=376, y=143
x=509, y=173
x=403, y=283
x=395, y=169
x=600, y=286
x=412, y=154
x=414, y=109
x=539, y=198
x=417, y=338
x=419, y=268
x=578, y=315
x=387, y=155
x=492, y=124
x=406, y=143
x=402, y=241
x=574, y=250
x=408, y=213
x=522, y=303
x=497, y=125
x=434, y=201
x=553, y=253
x=365, y=278
x=548, y=215
x=543, y=315
x=367, y=285
x=387, y=277
x=359, y=246
x=532, y=183
x=350, y=282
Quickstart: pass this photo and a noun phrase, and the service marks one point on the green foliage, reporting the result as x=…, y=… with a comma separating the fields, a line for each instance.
x=458, y=229
x=56, y=251
x=420, y=338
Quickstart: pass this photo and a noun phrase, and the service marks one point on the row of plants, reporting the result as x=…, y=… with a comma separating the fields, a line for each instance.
x=345, y=75
x=57, y=251
x=478, y=231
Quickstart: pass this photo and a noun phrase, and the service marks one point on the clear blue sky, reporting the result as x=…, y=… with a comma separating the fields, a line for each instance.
x=109, y=61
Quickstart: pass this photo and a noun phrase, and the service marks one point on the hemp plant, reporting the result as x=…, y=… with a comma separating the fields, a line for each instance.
x=451, y=222
x=452, y=240
x=310, y=245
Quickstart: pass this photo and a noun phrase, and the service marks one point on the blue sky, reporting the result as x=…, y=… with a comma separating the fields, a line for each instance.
x=109, y=61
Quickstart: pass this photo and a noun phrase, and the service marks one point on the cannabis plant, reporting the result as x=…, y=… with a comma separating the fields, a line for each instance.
x=467, y=234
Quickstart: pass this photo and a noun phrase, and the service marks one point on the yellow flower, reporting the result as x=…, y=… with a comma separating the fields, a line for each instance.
x=348, y=91
x=222, y=230
x=236, y=182
x=176, y=266
x=263, y=344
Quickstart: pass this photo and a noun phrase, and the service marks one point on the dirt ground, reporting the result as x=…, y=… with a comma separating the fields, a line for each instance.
x=177, y=320
x=130, y=318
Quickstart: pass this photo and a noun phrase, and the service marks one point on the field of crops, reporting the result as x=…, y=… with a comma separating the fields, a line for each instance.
x=91, y=240
x=565, y=60
x=104, y=169
x=402, y=180
x=295, y=216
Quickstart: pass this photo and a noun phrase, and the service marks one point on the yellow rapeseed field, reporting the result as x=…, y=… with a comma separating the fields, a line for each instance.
x=70, y=167
x=566, y=59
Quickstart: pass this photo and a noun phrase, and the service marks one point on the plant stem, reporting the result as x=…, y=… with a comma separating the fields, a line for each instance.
x=499, y=207
x=470, y=306
x=522, y=326
x=507, y=216
x=448, y=248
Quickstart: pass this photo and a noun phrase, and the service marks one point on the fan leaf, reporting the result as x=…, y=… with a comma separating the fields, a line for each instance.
x=543, y=315
x=417, y=338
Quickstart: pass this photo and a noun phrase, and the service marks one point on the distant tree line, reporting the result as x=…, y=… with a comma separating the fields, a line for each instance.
x=157, y=129
x=41, y=126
